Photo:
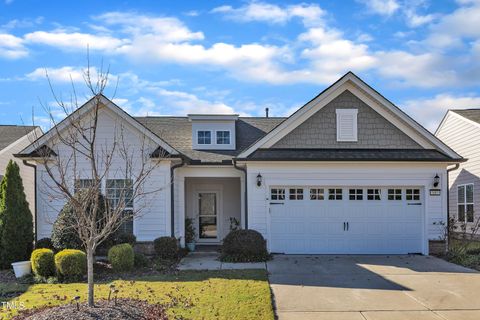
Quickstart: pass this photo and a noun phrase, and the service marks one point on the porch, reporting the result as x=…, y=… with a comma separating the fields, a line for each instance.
x=213, y=198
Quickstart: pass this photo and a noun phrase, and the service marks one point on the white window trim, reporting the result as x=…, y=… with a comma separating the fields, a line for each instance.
x=204, y=144
x=465, y=203
x=229, y=137
x=349, y=112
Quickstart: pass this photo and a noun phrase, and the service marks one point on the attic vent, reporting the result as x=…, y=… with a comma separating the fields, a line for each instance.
x=347, y=124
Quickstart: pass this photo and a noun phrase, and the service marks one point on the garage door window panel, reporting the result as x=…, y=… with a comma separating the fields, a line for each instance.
x=335, y=194
x=317, y=194
x=355, y=194
x=277, y=194
x=374, y=194
x=296, y=194
x=394, y=194
x=412, y=194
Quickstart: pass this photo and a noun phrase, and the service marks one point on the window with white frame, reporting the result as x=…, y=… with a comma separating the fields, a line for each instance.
x=373, y=194
x=394, y=194
x=355, y=194
x=347, y=125
x=119, y=192
x=317, y=194
x=412, y=194
x=295, y=194
x=223, y=137
x=82, y=184
x=277, y=194
x=204, y=137
x=334, y=194
x=465, y=202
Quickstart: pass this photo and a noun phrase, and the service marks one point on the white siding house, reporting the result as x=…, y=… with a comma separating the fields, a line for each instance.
x=348, y=172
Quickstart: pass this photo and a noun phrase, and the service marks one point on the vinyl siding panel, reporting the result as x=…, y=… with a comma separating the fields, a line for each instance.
x=463, y=137
x=153, y=207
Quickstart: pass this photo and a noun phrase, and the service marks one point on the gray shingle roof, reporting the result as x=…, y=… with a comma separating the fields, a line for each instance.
x=348, y=155
x=471, y=114
x=177, y=132
x=11, y=133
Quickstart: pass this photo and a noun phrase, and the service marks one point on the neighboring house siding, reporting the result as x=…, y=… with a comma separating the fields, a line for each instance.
x=154, y=206
x=374, y=131
x=463, y=137
x=344, y=175
x=26, y=172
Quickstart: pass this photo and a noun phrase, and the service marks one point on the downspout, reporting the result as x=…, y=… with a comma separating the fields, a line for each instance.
x=172, y=197
x=25, y=162
x=244, y=170
x=457, y=165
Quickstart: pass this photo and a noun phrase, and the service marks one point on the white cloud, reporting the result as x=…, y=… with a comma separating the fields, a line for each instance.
x=164, y=29
x=62, y=74
x=11, y=47
x=382, y=7
x=75, y=40
x=431, y=110
x=310, y=14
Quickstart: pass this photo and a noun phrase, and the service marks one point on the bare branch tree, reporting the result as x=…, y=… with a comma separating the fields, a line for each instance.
x=82, y=149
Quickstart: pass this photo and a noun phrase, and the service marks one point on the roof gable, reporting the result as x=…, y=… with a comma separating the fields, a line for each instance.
x=84, y=109
x=371, y=98
x=12, y=133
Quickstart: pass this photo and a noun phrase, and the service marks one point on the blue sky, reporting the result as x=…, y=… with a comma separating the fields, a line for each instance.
x=173, y=58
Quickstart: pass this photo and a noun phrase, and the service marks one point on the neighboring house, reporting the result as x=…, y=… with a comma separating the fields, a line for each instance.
x=348, y=172
x=13, y=139
x=460, y=129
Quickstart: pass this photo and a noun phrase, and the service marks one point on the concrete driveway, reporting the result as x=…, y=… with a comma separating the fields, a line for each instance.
x=373, y=288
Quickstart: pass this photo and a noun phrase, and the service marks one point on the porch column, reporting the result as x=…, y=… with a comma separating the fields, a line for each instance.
x=181, y=210
x=242, y=202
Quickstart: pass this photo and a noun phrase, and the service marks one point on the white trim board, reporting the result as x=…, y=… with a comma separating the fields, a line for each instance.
x=368, y=95
x=80, y=112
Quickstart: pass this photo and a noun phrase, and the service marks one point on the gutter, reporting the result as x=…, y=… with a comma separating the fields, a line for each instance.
x=244, y=170
x=172, y=196
x=25, y=162
x=457, y=165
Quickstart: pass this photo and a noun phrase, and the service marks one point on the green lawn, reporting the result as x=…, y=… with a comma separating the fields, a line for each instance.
x=240, y=294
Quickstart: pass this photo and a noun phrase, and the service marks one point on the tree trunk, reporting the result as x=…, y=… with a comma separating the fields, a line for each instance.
x=90, y=258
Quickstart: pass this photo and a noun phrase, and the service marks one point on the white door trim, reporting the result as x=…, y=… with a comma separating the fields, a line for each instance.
x=208, y=188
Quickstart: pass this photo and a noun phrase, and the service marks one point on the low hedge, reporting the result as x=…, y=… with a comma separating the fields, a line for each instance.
x=244, y=246
x=43, y=262
x=166, y=247
x=71, y=264
x=121, y=257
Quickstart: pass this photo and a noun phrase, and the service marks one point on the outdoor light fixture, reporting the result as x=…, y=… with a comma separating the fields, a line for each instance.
x=436, y=181
x=259, y=180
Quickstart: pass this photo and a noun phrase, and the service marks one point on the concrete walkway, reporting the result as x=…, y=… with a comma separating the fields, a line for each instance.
x=210, y=261
x=373, y=288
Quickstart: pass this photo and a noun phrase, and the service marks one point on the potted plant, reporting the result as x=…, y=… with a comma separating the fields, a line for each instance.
x=22, y=268
x=189, y=234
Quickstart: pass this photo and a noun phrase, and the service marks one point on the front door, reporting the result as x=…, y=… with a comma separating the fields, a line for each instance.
x=207, y=216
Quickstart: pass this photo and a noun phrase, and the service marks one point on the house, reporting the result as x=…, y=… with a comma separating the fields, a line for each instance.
x=348, y=172
x=460, y=129
x=13, y=139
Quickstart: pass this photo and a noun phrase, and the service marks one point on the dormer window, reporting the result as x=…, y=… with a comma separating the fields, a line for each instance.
x=204, y=137
x=347, y=125
x=223, y=137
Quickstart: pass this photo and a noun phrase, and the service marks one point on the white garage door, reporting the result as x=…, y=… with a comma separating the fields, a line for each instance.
x=356, y=220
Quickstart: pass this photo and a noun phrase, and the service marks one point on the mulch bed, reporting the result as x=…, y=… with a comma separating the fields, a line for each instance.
x=7, y=276
x=124, y=309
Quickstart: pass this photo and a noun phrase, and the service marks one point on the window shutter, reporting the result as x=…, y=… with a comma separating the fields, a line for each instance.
x=347, y=124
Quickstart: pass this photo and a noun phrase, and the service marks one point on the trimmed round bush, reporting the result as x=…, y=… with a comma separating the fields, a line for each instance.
x=71, y=263
x=140, y=261
x=244, y=246
x=122, y=257
x=166, y=247
x=43, y=262
x=45, y=243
